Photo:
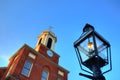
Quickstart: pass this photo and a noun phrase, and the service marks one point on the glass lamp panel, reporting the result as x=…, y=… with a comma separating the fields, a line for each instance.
x=102, y=49
x=86, y=49
x=83, y=54
x=103, y=54
x=100, y=45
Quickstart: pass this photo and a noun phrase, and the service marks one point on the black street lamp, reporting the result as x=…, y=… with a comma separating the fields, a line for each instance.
x=94, y=53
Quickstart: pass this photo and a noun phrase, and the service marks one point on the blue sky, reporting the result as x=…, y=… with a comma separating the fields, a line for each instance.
x=21, y=21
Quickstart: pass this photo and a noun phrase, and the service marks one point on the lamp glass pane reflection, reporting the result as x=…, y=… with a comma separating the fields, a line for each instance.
x=86, y=49
x=102, y=49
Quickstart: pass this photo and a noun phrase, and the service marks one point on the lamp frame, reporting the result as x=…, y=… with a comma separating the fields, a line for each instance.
x=83, y=37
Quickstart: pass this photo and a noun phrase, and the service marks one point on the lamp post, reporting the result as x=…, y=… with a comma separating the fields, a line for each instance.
x=93, y=53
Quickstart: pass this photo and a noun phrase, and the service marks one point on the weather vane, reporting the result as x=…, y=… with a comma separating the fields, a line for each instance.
x=51, y=27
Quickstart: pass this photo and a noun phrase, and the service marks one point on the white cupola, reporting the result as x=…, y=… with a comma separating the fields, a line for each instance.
x=47, y=38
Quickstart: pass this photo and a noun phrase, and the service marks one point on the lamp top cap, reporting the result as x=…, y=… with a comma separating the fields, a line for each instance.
x=88, y=27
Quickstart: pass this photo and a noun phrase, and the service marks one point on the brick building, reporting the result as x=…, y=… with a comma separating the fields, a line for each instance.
x=40, y=63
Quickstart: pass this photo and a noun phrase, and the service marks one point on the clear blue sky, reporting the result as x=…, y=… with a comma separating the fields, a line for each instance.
x=21, y=21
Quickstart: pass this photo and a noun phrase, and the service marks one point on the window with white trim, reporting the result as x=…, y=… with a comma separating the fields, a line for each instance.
x=45, y=75
x=27, y=68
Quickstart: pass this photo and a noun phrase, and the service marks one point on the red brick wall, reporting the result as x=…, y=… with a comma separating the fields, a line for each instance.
x=2, y=71
x=39, y=63
x=43, y=50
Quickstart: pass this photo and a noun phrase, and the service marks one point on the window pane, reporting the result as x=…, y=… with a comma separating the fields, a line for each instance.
x=25, y=72
x=28, y=64
x=27, y=67
x=44, y=75
x=43, y=78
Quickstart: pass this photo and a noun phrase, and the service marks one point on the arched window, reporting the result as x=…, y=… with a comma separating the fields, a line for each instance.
x=45, y=74
x=49, y=43
x=40, y=41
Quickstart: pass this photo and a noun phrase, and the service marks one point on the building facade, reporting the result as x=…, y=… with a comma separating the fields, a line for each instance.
x=40, y=63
